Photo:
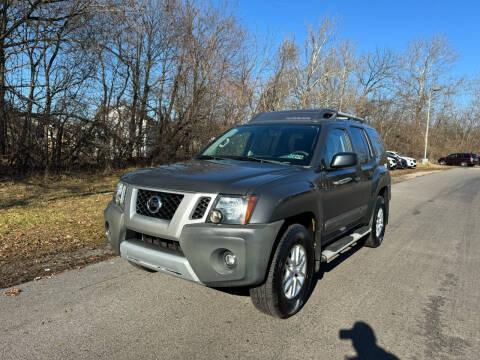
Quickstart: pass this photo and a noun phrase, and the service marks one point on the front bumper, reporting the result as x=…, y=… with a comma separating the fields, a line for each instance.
x=203, y=246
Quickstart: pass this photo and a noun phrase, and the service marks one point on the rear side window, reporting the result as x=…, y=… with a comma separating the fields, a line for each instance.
x=337, y=141
x=377, y=143
x=360, y=144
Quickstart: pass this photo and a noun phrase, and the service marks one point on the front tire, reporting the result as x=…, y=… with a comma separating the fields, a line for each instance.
x=289, y=277
x=375, y=238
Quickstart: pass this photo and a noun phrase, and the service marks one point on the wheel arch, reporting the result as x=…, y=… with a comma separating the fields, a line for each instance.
x=307, y=219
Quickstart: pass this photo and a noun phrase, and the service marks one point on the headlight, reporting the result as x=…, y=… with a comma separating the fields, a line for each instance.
x=232, y=209
x=119, y=194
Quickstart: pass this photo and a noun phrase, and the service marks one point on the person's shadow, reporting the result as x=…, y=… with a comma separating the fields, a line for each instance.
x=365, y=343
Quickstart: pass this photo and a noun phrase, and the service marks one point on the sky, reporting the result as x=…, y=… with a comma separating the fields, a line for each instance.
x=371, y=23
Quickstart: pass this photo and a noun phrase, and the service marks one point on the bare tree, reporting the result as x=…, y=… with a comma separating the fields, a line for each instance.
x=110, y=82
x=425, y=64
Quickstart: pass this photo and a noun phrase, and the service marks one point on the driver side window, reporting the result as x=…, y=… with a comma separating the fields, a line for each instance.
x=337, y=141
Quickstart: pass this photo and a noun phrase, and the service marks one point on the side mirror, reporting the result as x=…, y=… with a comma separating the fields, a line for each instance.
x=343, y=160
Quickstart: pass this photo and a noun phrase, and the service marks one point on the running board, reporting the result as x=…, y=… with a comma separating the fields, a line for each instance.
x=341, y=244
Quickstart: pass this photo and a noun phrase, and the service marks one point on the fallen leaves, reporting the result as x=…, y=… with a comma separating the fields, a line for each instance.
x=48, y=224
x=12, y=292
x=42, y=277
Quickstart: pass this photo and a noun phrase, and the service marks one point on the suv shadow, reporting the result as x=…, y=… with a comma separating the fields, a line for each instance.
x=327, y=267
x=324, y=268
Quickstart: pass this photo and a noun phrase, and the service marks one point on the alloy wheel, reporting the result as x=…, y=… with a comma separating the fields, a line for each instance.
x=294, y=271
x=379, y=223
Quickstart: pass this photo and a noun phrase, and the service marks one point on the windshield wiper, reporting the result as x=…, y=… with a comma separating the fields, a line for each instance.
x=252, y=158
x=212, y=157
x=241, y=158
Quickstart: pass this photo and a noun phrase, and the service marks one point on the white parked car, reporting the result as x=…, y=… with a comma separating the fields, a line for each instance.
x=411, y=162
x=392, y=163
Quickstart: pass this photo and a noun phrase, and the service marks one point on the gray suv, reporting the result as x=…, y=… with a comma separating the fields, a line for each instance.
x=261, y=207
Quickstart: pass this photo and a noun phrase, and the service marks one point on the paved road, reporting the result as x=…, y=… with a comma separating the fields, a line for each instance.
x=418, y=295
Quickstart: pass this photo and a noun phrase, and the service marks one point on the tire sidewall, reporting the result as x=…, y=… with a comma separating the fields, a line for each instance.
x=296, y=235
x=380, y=204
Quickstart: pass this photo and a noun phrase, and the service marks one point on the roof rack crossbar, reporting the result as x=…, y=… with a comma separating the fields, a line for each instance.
x=345, y=116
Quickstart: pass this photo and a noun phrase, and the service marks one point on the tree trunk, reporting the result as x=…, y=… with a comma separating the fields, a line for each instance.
x=3, y=106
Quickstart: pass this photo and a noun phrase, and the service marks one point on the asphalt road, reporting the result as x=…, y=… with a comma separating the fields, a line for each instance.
x=415, y=297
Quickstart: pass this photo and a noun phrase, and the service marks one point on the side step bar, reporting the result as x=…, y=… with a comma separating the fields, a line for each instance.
x=341, y=244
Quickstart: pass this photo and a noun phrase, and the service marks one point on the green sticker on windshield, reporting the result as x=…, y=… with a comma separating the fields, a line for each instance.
x=295, y=156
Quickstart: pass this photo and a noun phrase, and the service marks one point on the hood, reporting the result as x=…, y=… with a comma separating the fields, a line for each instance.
x=210, y=176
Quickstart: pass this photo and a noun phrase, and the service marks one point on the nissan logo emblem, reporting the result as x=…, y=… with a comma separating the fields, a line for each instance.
x=154, y=204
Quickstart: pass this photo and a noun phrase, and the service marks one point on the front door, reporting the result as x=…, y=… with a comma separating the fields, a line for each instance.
x=451, y=159
x=341, y=199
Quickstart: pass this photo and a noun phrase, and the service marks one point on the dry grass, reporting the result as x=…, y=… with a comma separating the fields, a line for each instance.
x=405, y=174
x=431, y=166
x=40, y=219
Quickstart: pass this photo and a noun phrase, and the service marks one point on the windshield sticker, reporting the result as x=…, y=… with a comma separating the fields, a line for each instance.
x=295, y=156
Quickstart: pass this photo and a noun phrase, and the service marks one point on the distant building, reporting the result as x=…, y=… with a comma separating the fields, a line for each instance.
x=116, y=130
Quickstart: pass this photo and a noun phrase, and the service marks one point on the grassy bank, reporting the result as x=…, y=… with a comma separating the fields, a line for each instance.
x=47, y=226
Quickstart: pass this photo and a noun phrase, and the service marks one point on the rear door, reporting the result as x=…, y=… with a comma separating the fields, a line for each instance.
x=367, y=164
x=342, y=198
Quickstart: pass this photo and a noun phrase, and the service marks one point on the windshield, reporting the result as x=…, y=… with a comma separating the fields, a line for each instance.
x=283, y=143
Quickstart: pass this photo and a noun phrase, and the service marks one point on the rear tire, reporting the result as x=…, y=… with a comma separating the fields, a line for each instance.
x=375, y=238
x=442, y=163
x=274, y=297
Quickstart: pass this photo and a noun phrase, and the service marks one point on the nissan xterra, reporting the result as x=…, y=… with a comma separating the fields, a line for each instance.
x=261, y=207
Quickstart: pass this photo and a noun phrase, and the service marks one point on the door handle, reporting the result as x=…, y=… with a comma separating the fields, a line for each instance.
x=343, y=181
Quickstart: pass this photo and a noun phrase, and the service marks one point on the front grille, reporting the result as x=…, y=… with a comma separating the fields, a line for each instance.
x=201, y=208
x=161, y=243
x=169, y=204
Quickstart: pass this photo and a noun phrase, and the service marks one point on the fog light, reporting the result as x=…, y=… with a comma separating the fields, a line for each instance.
x=107, y=228
x=230, y=259
x=215, y=216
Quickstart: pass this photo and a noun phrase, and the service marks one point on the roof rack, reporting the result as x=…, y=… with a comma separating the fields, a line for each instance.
x=314, y=115
x=344, y=116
